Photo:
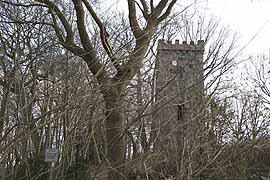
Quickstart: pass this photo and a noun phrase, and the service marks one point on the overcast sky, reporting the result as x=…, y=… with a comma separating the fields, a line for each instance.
x=248, y=18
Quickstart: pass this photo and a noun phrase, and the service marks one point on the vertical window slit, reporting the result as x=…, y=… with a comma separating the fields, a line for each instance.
x=180, y=112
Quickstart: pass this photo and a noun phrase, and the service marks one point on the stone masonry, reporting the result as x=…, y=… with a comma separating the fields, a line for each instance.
x=179, y=93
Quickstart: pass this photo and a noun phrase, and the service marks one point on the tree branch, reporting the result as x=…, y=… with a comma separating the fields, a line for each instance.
x=57, y=29
x=22, y=5
x=103, y=35
x=60, y=15
x=145, y=6
x=168, y=11
x=158, y=9
x=88, y=54
x=81, y=26
x=152, y=5
x=144, y=12
x=133, y=19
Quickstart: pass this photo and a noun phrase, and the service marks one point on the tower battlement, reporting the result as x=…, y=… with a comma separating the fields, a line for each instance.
x=179, y=101
x=184, y=46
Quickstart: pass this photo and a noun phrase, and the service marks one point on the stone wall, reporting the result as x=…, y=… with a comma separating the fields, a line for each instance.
x=179, y=75
x=179, y=95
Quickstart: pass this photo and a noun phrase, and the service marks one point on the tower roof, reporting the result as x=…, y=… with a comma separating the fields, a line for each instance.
x=168, y=45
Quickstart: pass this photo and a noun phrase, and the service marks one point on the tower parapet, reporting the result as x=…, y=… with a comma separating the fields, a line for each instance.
x=179, y=117
x=192, y=46
x=180, y=91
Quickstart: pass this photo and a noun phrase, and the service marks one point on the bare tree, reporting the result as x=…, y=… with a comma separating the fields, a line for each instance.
x=90, y=93
x=113, y=88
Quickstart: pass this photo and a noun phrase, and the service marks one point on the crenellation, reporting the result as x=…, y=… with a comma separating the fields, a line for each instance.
x=192, y=46
x=161, y=41
x=179, y=87
x=200, y=42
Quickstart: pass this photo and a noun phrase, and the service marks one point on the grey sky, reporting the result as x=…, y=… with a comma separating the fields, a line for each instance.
x=248, y=18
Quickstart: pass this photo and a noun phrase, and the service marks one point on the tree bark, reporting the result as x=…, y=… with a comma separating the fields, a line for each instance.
x=3, y=109
x=115, y=130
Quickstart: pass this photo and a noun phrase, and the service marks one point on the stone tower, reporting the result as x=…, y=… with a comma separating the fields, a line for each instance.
x=179, y=94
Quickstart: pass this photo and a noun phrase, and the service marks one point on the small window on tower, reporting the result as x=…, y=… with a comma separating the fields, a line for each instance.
x=174, y=63
x=180, y=112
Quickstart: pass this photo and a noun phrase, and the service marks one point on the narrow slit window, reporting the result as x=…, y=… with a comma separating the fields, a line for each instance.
x=180, y=112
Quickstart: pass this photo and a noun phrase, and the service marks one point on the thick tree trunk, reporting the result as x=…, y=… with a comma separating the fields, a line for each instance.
x=115, y=127
x=3, y=109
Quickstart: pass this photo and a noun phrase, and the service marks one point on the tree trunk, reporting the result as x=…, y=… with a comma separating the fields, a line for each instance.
x=3, y=110
x=115, y=127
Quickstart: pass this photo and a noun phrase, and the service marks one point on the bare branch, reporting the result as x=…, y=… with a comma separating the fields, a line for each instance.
x=81, y=25
x=89, y=54
x=152, y=5
x=145, y=6
x=60, y=15
x=144, y=10
x=133, y=19
x=57, y=29
x=23, y=5
x=168, y=11
x=103, y=34
x=158, y=9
